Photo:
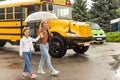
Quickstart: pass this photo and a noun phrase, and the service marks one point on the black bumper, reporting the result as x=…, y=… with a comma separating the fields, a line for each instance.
x=75, y=41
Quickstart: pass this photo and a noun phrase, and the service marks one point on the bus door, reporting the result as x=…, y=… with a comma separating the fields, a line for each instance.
x=25, y=11
x=35, y=25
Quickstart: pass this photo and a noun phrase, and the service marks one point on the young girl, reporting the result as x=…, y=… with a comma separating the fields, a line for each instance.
x=44, y=47
x=26, y=48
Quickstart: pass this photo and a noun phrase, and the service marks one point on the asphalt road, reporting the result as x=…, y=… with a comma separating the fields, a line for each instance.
x=99, y=63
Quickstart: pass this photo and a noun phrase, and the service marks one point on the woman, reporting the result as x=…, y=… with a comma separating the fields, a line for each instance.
x=26, y=48
x=44, y=47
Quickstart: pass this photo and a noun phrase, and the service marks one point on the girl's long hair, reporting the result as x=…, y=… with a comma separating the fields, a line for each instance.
x=41, y=24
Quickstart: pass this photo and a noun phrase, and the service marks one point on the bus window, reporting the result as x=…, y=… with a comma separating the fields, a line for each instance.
x=33, y=8
x=10, y=13
x=34, y=28
x=17, y=12
x=47, y=7
x=63, y=12
x=36, y=7
x=30, y=9
x=44, y=7
x=50, y=7
x=2, y=16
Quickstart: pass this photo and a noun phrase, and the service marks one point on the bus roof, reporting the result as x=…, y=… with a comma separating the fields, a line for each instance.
x=13, y=1
x=9, y=3
x=114, y=20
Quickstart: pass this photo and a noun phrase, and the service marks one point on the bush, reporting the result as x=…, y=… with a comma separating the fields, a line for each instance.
x=113, y=36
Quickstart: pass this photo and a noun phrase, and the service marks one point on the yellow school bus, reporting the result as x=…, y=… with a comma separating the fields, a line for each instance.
x=68, y=34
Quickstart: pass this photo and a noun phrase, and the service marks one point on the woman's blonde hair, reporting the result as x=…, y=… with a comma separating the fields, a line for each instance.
x=42, y=22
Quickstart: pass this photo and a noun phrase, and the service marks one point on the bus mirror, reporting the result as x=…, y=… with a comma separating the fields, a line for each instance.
x=50, y=7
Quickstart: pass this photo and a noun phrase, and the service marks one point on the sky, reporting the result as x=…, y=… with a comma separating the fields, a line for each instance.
x=89, y=3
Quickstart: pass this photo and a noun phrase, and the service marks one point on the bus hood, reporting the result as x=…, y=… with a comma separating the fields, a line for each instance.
x=70, y=28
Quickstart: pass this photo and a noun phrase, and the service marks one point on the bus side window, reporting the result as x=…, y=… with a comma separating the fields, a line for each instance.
x=50, y=7
x=34, y=27
x=30, y=9
x=44, y=7
x=47, y=7
x=2, y=15
x=10, y=13
x=17, y=12
x=36, y=7
x=33, y=8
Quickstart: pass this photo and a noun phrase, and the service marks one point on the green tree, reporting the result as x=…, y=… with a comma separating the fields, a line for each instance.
x=118, y=10
x=2, y=0
x=103, y=11
x=79, y=12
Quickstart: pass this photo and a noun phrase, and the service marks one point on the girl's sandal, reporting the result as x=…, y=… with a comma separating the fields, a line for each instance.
x=33, y=76
x=24, y=75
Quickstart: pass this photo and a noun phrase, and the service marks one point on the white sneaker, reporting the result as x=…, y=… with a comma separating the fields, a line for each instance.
x=40, y=71
x=55, y=72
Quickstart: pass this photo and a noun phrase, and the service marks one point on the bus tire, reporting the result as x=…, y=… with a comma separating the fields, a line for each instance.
x=57, y=47
x=101, y=42
x=2, y=43
x=80, y=49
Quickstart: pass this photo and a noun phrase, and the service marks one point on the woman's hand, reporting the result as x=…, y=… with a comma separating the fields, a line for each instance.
x=41, y=35
x=51, y=34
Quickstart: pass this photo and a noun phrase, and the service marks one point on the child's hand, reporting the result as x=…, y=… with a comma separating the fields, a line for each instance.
x=41, y=35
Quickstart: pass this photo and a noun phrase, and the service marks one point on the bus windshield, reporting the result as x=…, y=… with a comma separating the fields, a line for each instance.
x=64, y=12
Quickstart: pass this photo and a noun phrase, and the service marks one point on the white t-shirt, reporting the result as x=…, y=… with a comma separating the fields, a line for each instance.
x=26, y=44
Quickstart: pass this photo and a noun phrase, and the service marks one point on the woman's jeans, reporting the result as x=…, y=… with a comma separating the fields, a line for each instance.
x=28, y=58
x=45, y=56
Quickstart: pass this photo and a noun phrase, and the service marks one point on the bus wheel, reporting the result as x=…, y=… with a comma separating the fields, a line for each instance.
x=81, y=49
x=57, y=47
x=101, y=42
x=2, y=43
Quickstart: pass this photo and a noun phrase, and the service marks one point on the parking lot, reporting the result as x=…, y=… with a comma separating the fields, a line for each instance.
x=100, y=62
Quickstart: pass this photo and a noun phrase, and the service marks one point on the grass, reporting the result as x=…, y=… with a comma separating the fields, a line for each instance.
x=113, y=37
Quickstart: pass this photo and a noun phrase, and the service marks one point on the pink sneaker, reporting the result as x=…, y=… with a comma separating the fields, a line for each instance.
x=33, y=76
